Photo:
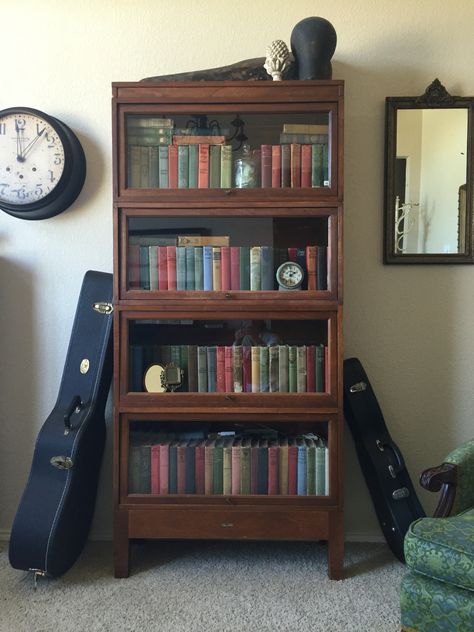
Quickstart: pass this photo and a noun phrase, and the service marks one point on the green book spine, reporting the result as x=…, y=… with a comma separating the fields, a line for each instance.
x=192, y=369
x=198, y=268
x=267, y=274
x=154, y=179
x=144, y=268
x=172, y=467
x=320, y=484
x=244, y=267
x=237, y=369
x=189, y=256
x=153, y=266
x=273, y=371
x=301, y=369
x=283, y=368
x=317, y=165
x=139, y=469
x=214, y=166
x=163, y=166
x=211, y=369
x=180, y=267
x=226, y=166
x=227, y=466
x=255, y=277
x=176, y=355
x=264, y=370
x=245, y=467
x=292, y=375
x=193, y=166
x=183, y=166
x=184, y=364
x=326, y=182
x=319, y=369
x=218, y=467
x=202, y=369
x=310, y=467
x=285, y=165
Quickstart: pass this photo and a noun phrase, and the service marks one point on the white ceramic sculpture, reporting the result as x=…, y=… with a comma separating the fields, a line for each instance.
x=278, y=59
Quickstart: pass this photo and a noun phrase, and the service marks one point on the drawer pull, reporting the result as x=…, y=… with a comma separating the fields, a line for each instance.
x=227, y=525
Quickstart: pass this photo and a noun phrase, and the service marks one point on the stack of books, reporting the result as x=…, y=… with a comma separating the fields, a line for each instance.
x=237, y=369
x=230, y=465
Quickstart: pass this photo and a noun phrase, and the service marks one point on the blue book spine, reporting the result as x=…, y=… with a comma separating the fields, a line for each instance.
x=163, y=166
x=189, y=267
x=198, y=268
x=183, y=166
x=180, y=267
x=211, y=369
x=144, y=268
x=267, y=273
x=193, y=166
x=301, y=472
x=189, y=469
x=207, y=267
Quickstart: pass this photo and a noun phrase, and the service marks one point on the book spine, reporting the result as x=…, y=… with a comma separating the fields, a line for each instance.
x=133, y=266
x=320, y=471
x=172, y=471
x=285, y=165
x=181, y=467
x=295, y=165
x=266, y=165
x=173, y=166
x=180, y=268
x=273, y=469
x=189, y=256
x=202, y=369
x=208, y=467
x=255, y=278
x=226, y=166
x=292, y=377
x=316, y=165
x=264, y=376
x=192, y=369
x=262, y=482
x=267, y=272
x=255, y=369
x=199, y=464
x=211, y=369
x=301, y=369
x=311, y=267
x=254, y=467
x=162, y=267
x=163, y=166
x=227, y=469
x=144, y=268
x=228, y=370
x=207, y=267
x=235, y=482
x=217, y=470
x=198, y=268
x=183, y=166
x=306, y=165
x=273, y=357
x=247, y=369
x=144, y=167
x=310, y=468
x=283, y=368
x=311, y=369
x=193, y=151
x=154, y=179
x=220, y=369
x=245, y=469
x=244, y=267
x=276, y=166
x=320, y=378
x=216, y=268
x=283, y=468
x=234, y=267
x=214, y=166
x=292, y=469
x=237, y=369
x=225, y=268
x=155, y=469
x=153, y=266
x=301, y=475
x=164, y=468
x=171, y=266
x=203, y=166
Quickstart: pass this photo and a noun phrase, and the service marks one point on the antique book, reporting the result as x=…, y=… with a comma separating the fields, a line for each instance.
x=236, y=446
x=217, y=466
x=227, y=466
x=301, y=369
x=237, y=369
x=220, y=369
x=285, y=165
x=322, y=268
x=295, y=165
x=207, y=267
x=216, y=268
x=226, y=166
x=155, y=469
x=255, y=368
x=283, y=466
x=202, y=369
x=264, y=369
x=235, y=268
x=225, y=268
x=162, y=267
x=247, y=368
x=228, y=369
x=180, y=268
x=192, y=369
x=292, y=375
x=171, y=267
x=306, y=165
x=310, y=368
x=273, y=362
x=203, y=240
x=273, y=475
x=276, y=166
x=255, y=269
x=203, y=166
x=189, y=257
x=198, y=268
x=266, y=165
x=199, y=467
x=245, y=466
x=211, y=369
x=183, y=167
x=153, y=267
x=244, y=267
x=193, y=151
x=283, y=368
x=311, y=266
x=214, y=166
x=209, y=466
x=198, y=139
x=173, y=167
x=267, y=270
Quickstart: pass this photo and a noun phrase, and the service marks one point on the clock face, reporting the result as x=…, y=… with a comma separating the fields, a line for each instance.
x=32, y=158
x=290, y=275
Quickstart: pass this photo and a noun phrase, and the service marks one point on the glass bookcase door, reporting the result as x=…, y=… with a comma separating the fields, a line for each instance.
x=217, y=459
x=173, y=357
x=293, y=253
x=229, y=149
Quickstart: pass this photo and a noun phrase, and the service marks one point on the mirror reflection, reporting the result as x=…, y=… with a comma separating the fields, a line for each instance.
x=430, y=181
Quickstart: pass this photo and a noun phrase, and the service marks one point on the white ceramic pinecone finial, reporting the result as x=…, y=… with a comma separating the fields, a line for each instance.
x=277, y=60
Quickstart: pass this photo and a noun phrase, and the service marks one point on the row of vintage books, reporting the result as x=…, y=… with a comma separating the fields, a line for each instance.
x=237, y=369
x=204, y=165
x=214, y=268
x=229, y=465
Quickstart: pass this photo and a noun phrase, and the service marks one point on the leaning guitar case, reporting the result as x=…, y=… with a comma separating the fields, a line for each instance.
x=395, y=500
x=56, y=509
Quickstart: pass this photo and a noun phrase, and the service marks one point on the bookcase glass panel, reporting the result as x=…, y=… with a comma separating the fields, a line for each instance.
x=218, y=458
x=228, y=356
x=221, y=150
x=227, y=253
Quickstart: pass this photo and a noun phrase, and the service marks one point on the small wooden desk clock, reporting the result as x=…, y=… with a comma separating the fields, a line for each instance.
x=42, y=164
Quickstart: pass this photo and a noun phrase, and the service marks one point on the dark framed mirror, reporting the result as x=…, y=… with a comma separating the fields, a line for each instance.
x=428, y=178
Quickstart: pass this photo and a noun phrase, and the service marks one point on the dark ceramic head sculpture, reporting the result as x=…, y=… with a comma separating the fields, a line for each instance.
x=313, y=42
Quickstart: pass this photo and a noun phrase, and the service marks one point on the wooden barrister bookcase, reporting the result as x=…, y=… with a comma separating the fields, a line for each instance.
x=179, y=299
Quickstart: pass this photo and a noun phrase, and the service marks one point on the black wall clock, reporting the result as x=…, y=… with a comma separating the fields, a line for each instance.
x=42, y=164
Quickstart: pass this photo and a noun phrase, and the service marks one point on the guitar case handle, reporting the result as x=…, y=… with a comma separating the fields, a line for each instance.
x=400, y=463
x=75, y=406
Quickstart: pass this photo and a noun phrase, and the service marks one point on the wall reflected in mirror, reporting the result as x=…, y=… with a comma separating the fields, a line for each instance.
x=428, y=183
x=430, y=173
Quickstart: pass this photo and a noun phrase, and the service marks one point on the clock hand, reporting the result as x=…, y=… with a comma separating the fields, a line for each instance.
x=19, y=149
x=30, y=145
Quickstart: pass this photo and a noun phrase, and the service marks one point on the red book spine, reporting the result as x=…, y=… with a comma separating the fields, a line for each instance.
x=292, y=469
x=235, y=267
x=292, y=254
x=220, y=369
x=235, y=485
x=155, y=469
x=225, y=268
x=173, y=166
x=199, y=468
x=266, y=163
x=326, y=370
x=306, y=166
x=162, y=268
x=273, y=469
x=310, y=369
x=247, y=369
x=295, y=165
x=171, y=266
x=164, y=468
x=181, y=467
x=311, y=265
x=228, y=369
x=276, y=166
x=133, y=267
x=203, y=166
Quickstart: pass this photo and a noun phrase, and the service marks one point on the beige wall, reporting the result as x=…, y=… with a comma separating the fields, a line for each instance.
x=411, y=326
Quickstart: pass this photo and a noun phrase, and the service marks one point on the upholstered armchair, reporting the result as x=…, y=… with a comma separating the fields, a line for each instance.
x=437, y=594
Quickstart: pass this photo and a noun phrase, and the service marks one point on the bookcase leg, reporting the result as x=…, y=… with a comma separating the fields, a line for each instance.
x=336, y=545
x=121, y=545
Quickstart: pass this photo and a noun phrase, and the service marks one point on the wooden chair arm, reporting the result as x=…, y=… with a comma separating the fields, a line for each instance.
x=444, y=478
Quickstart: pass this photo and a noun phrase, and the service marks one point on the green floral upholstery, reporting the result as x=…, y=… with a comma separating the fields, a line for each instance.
x=437, y=595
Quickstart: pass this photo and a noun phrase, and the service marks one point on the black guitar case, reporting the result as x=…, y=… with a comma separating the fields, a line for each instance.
x=56, y=509
x=395, y=500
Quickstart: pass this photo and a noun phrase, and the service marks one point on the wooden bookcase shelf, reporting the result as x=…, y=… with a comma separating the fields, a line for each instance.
x=261, y=368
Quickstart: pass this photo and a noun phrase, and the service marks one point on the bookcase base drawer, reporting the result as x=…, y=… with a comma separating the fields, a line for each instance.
x=228, y=524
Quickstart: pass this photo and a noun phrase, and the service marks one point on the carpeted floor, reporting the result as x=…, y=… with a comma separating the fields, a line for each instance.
x=208, y=587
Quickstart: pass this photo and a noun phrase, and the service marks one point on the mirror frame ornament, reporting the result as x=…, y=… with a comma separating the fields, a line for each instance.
x=435, y=96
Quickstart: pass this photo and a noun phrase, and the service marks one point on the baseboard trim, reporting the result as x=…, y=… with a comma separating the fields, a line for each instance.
x=107, y=537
